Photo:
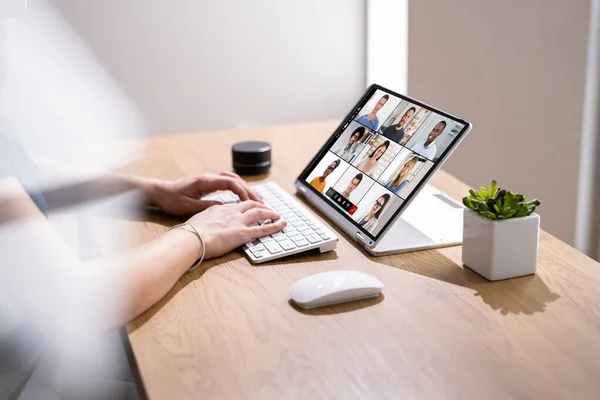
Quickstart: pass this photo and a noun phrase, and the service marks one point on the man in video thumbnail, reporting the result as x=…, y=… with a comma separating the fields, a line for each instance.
x=427, y=148
x=352, y=185
x=396, y=132
x=370, y=120
x=319, y=181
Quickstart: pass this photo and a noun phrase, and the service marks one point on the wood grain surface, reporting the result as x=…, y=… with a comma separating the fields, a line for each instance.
x=228, y=331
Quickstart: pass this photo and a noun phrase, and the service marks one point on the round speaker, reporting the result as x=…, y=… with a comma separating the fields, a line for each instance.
x=251, y=158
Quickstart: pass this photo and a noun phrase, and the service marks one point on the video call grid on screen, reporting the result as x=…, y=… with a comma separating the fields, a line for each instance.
x=380, y=154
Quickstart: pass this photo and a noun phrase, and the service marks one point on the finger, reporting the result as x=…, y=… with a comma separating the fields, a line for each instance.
x=227, y=183
x=231, y=175
x=251, y=193
x=201, y=205
x=265, y=230
x=260, y=214
x=187, y=206
x=248, y=205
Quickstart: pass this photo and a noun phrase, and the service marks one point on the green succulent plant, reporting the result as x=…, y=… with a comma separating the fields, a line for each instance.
x=496, y=203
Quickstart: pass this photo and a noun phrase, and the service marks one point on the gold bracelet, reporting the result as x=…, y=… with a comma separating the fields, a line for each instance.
x=195, y=231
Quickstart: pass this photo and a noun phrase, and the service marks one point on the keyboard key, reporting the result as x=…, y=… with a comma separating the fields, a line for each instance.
x=287, y=245
x=295, y=236
x=258, y=248
x=266, y=239
x=308, y=233
x=281, y=238
x=258, y=255
x=296, y=239
x=324, y=236
x=300, y=225
x=289, y=229
x=301, y=243
x=273, y=247
x=276, y=234
x=313, y=238
x=319, y=231
x=305, y=229
x=294, y=220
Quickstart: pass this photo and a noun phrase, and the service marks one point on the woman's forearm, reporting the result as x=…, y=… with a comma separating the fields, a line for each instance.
x=141, y=276
x=53, y=290
x=63, y=186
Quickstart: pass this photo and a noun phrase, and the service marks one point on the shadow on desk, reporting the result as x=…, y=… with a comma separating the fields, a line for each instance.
x=339, y=308
x=525, y=295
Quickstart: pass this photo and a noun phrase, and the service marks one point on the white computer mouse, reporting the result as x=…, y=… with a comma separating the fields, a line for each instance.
x=334, y=287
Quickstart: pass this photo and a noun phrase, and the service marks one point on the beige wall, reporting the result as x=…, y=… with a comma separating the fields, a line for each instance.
x=516, y=70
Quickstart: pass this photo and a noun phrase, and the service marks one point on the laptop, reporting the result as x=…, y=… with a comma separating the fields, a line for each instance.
x=370, y=180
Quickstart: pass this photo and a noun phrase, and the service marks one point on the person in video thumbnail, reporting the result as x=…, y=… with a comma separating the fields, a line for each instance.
x=319, y=181
x=370, y=120
x=400, y=180
x=347, y=152
x=371, y=219
x=396, y=132
x=427, y=148
x=352, y=185
x=368, y=164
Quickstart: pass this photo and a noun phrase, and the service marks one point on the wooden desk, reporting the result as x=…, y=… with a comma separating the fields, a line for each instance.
x=227, y=331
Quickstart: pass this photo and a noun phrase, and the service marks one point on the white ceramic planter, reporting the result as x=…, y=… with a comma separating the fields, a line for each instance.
x=500, y=249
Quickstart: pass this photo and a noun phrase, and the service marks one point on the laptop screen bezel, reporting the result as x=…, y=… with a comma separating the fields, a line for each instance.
x=301, y=179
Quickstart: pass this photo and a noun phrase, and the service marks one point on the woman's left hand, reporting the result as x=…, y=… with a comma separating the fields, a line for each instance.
x=183, y=196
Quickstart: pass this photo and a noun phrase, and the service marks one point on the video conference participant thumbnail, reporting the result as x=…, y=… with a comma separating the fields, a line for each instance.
x=371, y=159
x=427, y=147
x=327, y=172
x=405, y=172
x=349, y=189
x=394, y=130
x=377, y=109
x=434, y=137
x=375, y=159
x=400, y=179
x=348, y=144
x=370, y=219
x=376, y=208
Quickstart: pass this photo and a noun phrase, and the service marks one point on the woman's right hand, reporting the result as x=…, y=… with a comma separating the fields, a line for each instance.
x=226, y=227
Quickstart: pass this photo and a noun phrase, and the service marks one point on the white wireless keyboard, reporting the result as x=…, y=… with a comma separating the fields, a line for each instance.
x=303, y=232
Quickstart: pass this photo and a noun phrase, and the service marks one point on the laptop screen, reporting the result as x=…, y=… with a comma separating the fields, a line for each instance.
x=379, y=156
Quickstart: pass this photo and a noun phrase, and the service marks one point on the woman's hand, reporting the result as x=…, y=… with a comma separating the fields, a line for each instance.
x=226, y=227
x=182, y=197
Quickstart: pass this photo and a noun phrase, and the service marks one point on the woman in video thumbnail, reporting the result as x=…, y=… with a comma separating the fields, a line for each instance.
x=400, y=180
x=352, y=185
x=346, y=153
x=370, y=221
x=396, y=132
x=368, y=164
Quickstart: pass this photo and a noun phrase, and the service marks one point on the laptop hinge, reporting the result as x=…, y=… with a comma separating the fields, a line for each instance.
x=301, y=189
x=359, y=237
